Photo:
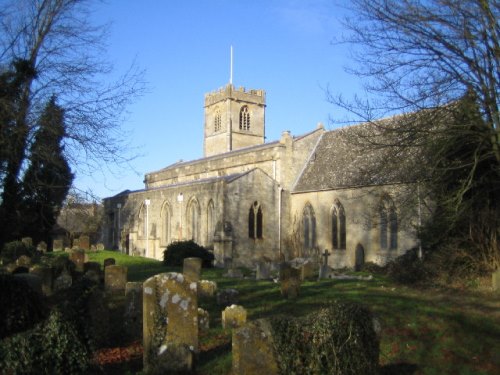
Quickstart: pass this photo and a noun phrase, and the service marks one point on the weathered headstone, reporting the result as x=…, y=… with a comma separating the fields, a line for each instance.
x=233, y=316
x=94, y=266
x=132, y=315
x=84, y=242
x=109, y=262
x=206, y=288
x=234, y=273
x=42, y=246
x=100, y=247
x=115, y=278
x=76, y=243
x=227, y=297
x=192, y=268
x=495, y=281
x=79, y=258
x=23, y=261
x=253, y=349
x=289, y=281
x=307, y=270
x=203, y=320
x=93, y=276
x=63, y=281
x=93, y=248
x=57, y=245
x=28, y=241
x=45, y=274
x=263, y=271
x=170, y=321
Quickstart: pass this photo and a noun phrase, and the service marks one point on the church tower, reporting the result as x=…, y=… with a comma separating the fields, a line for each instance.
x=234, y=118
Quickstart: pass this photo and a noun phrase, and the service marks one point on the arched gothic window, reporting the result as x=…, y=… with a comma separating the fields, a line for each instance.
x=244, y=118
x=193, y=213
x=388, y=224
x=255, y=221
x=210, y=222
x=309, y=227
x=339, y=232
x=217, y=121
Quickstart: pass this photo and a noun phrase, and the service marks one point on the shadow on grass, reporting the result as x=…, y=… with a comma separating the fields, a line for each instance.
x=399, y=369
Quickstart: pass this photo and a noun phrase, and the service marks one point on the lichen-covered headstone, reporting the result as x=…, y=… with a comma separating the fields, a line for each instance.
x=84, y=242
x=227, y=297
x=45, y=274
x=253, y=351
x=203, y=320
x=23, y=261
x=206, y=288
x=78, y=257
x=289, y=281
x=42, y=246
x=170, y=320
x=57, y=245
x=100, y=247
x=132, y=315
x=115, y=278
x=192, y=268
x=28, y=241
x=233, y=316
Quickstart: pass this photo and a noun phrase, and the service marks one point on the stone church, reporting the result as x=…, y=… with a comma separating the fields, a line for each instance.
x=251, y=200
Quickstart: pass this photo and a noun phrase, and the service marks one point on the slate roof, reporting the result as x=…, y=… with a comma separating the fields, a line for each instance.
x=345, y=158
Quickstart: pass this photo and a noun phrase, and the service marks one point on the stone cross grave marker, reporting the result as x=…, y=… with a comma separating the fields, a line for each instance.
x=170, y=321
x=324, y=270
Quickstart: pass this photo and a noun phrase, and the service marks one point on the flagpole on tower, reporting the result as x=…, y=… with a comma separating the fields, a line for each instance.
x=231, y=69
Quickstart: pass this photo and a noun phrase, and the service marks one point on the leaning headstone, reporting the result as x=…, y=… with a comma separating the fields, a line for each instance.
x=115, y=278
x=227, y=297
x=62, y=282
x=84, y=242
x=109, y=262
x=78, y=257
x=23, y=261
x=28, y=241
x=170, y=322
x=57, y=245
x=233, y=316
x=495, y=281
x=42, y=246
x=203, y=320
x=263, y=271
x=45, y=274
x=192, y=268
x=132, y=315
x=289, y=281
x=206, y=288
x=260, y=358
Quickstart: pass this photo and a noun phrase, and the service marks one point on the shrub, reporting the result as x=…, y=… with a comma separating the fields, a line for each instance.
x=175, y=253
x=408, y=269
x=20, y=306
x=51, y=347
x=339, y=339
x=14, y=249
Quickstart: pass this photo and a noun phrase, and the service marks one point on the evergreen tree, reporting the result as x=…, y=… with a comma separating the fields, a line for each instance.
x=48, y=177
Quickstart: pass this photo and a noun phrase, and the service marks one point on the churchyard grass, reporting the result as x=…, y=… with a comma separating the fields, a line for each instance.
x=424, y=331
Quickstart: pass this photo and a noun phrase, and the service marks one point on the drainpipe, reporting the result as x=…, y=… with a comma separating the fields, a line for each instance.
x=280, y=190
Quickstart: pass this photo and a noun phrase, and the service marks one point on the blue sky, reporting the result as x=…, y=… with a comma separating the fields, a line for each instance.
x=282, y=46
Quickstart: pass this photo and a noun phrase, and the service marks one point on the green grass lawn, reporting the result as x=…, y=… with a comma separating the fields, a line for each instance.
x=430, y=331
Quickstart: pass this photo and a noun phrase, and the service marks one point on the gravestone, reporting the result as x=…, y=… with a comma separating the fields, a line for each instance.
x=495, y=281
x=23, y=261
x=63, y=281
x=306, y=268
x=206, y=288
x=170, y=322
x=227, y=297
x=76, y=243
x=324, y=270
x=42, y=246
x=253, y=349
x=94, y=266
x=28, y=241
x=109, y=262
x=78, y=257
x=100, y=247
x=84, y=242
x=192, y=268
x=57, y=245
x=132, y=315
x=115, y=278
x=92, y=276
x=203, y=320
x=263, y=271
x=289, y=281
x=45, y=274
x=233, y=316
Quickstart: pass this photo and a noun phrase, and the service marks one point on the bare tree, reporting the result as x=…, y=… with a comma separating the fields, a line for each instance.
x=65, y=49
x=437, y=61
